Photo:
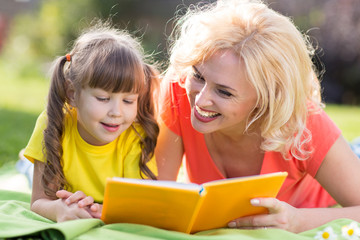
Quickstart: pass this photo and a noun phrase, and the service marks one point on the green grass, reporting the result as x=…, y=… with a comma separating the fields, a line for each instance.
x=15, y=129
x=21, y=101
x=347, y=118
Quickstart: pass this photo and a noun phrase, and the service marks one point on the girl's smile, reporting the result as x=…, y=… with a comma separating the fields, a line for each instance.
x=111, y=127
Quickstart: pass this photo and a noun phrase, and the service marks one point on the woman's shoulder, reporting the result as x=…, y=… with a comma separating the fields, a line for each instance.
x=318, y=120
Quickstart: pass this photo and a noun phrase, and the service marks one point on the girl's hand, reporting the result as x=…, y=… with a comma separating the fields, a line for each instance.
x=65, y=212
x=281, y=215
x=83, y=201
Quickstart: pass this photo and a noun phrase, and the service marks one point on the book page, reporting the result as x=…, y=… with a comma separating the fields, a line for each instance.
x=162, y=204
x=162, y=183
x=228, y=199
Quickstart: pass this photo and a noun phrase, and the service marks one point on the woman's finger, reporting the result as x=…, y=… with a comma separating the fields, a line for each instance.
x=272, y=204
x=253, y=222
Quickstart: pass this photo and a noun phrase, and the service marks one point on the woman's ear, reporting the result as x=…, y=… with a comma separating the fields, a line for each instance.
x=70, y=93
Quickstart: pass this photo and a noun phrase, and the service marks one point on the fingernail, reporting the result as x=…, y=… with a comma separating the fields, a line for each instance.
x=255, y=202
x=232, y=224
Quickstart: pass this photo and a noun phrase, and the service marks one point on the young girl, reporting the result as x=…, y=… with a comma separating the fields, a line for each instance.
x=99, y=123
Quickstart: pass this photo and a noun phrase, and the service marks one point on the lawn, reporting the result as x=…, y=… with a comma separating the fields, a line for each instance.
x=21, y=101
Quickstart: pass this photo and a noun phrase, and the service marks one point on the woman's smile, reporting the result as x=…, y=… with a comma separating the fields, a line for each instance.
x=204, y=115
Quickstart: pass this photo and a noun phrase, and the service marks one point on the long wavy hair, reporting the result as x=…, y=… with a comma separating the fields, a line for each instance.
x=277, y=59
x=102, y=57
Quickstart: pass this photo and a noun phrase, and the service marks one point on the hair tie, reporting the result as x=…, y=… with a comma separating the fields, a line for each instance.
x=68, y=57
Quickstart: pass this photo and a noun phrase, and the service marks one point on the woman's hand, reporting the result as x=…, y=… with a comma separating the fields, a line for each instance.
x=281, y=215
x=82, y=201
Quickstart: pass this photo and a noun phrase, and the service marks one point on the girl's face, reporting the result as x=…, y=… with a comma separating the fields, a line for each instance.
x=220, y=97
x=102, y=116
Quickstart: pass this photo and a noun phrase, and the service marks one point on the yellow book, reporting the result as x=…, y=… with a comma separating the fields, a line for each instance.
x=186, y=207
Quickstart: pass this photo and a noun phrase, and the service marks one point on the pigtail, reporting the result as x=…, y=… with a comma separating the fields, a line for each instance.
x=146, y=117
x=53, y=178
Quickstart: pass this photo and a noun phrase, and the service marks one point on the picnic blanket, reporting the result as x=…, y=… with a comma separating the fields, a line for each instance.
x=17, y=221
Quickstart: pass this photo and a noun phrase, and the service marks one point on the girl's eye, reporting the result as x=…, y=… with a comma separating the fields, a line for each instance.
x=224, y=93
x=102, y=99
x=129, y=101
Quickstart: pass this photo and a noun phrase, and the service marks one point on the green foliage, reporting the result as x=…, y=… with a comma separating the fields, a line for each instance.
x=36, y=38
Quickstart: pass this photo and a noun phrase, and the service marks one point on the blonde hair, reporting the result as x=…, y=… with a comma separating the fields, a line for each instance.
x=277, y=60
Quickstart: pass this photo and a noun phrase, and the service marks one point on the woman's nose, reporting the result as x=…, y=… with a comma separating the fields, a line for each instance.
x=204, y=97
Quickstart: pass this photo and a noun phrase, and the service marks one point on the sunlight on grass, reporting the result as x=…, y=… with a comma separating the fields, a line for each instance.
x=27, y=95
x=347, y=118
x=21, y=101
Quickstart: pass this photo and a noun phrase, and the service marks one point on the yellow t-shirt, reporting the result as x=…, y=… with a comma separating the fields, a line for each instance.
x=85, y=166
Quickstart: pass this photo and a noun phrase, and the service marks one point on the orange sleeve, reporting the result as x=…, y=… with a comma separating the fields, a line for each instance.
x=324, y=134
x=169, y=105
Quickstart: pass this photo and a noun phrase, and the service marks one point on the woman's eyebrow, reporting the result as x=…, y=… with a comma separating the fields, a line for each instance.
x=197, y=72
x=219, y=85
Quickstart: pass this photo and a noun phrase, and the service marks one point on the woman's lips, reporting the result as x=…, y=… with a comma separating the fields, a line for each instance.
x=205, y=116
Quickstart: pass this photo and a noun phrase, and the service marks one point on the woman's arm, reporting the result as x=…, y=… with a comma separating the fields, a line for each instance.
x=338, y=174
x=56, y=210
x=169, y=152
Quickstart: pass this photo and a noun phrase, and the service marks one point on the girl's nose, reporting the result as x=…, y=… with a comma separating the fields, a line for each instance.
x=116, y=109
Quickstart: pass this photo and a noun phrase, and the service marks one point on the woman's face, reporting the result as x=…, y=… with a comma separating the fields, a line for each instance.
x=220, y=97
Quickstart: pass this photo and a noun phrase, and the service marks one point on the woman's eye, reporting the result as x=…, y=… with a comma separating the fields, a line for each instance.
x=198, y=77
x=225, y=93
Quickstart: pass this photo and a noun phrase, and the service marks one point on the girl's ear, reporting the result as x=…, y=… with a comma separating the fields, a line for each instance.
x=70, y=93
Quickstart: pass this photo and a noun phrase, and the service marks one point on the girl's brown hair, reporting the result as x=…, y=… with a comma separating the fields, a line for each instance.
x=107, y=58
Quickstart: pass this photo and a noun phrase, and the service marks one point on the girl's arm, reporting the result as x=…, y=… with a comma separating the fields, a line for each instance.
x=55, y=210
x=338, y=174
x=169, y=152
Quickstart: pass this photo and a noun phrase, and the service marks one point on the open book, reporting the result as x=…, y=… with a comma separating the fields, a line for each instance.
x=185, y=207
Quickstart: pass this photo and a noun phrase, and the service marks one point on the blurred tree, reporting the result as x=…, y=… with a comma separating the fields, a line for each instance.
x=334, y=26
x=37, y=37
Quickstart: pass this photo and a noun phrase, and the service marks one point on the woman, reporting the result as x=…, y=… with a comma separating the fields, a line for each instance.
x=241, y=98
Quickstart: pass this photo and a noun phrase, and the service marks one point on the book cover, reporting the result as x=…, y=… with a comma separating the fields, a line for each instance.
x=185, y=207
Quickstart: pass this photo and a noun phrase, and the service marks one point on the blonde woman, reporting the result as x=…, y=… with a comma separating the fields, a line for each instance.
x=241, y=98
